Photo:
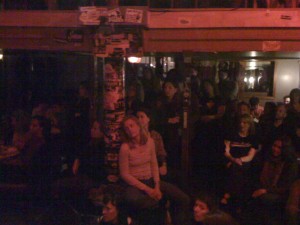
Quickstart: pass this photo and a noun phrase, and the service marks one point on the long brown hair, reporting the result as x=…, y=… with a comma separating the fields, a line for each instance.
x=125, y=137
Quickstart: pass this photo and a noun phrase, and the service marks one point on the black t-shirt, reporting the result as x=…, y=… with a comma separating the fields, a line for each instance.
x=240, y=146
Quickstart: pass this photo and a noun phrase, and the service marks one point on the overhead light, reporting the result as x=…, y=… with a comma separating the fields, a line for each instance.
x=251, y=80
x=1, y=54
x=252, y=65
x=134, y=59
x=253, y=53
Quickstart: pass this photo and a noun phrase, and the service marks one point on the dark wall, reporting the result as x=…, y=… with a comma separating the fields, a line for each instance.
x=46, y=77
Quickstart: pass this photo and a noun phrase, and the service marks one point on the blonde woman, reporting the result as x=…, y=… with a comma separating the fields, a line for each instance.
x=139, y=170
x=240, y=149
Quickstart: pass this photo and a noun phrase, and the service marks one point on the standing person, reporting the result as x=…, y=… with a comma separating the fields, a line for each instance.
x=81, y=117
x=132, y=100
x=240, y=149
x=169, y=115
x=152, y=87
x=293, y=108
x=275, y=129
x=139, y=170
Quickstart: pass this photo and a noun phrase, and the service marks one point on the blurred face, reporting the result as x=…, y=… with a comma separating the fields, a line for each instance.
x=276, y=148
x=286, y=100
x=131, y=128
x=244, y=125
x=296, y=97
x=210, y=104
x=147, y=75
x=54, y=121
x=131, y=91
x=244, y=110
x=95, y=130
x=208, y=88
x=200, y=209
x=13, y=122
x=35, y=128
x=143, y=119
x=110, y=213
x=280, y=112
x=82, y=91
x=169, y=90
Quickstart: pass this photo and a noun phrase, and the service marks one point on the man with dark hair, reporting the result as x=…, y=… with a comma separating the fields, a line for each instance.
x=256, y=109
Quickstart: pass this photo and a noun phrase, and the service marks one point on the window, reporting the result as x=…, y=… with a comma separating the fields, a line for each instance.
x=257, y=76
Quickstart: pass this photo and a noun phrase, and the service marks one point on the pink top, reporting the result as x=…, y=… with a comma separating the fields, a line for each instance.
x=138, y=163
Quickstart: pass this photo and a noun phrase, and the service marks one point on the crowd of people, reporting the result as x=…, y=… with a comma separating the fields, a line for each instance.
x=243, y=156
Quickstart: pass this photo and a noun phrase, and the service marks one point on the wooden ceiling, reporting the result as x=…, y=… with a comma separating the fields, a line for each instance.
x=210, y=33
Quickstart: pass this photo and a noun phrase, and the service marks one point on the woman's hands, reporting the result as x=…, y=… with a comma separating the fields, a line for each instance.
x=237, y=161
x=75, y=166
x=259, y=192
x=163, y=169
x=154, y=193
x=174, y=120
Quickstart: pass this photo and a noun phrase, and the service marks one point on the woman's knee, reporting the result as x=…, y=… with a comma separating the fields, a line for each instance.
x=138, y=199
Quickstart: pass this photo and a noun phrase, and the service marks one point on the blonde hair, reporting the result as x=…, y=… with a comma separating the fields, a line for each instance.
x=248, y=119
x=126, y=138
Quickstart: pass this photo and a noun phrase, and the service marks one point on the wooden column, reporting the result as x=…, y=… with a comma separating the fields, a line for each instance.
x=113, y=110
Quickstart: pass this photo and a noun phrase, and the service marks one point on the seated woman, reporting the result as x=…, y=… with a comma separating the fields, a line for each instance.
x=139, y=170
x=240, y=149
x=113, y=211
x=204, y=204
x=278, y=173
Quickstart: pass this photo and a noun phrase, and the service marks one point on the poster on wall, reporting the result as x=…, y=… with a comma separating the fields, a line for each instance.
x=115, y=16
x=91, y=15
x=134, y=16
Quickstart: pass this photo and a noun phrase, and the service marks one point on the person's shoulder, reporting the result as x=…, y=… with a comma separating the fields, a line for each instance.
x=150, y=142
x=124, y=147
x=154, y=134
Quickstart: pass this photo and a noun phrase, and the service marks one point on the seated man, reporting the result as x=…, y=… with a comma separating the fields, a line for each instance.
x=278, y=173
